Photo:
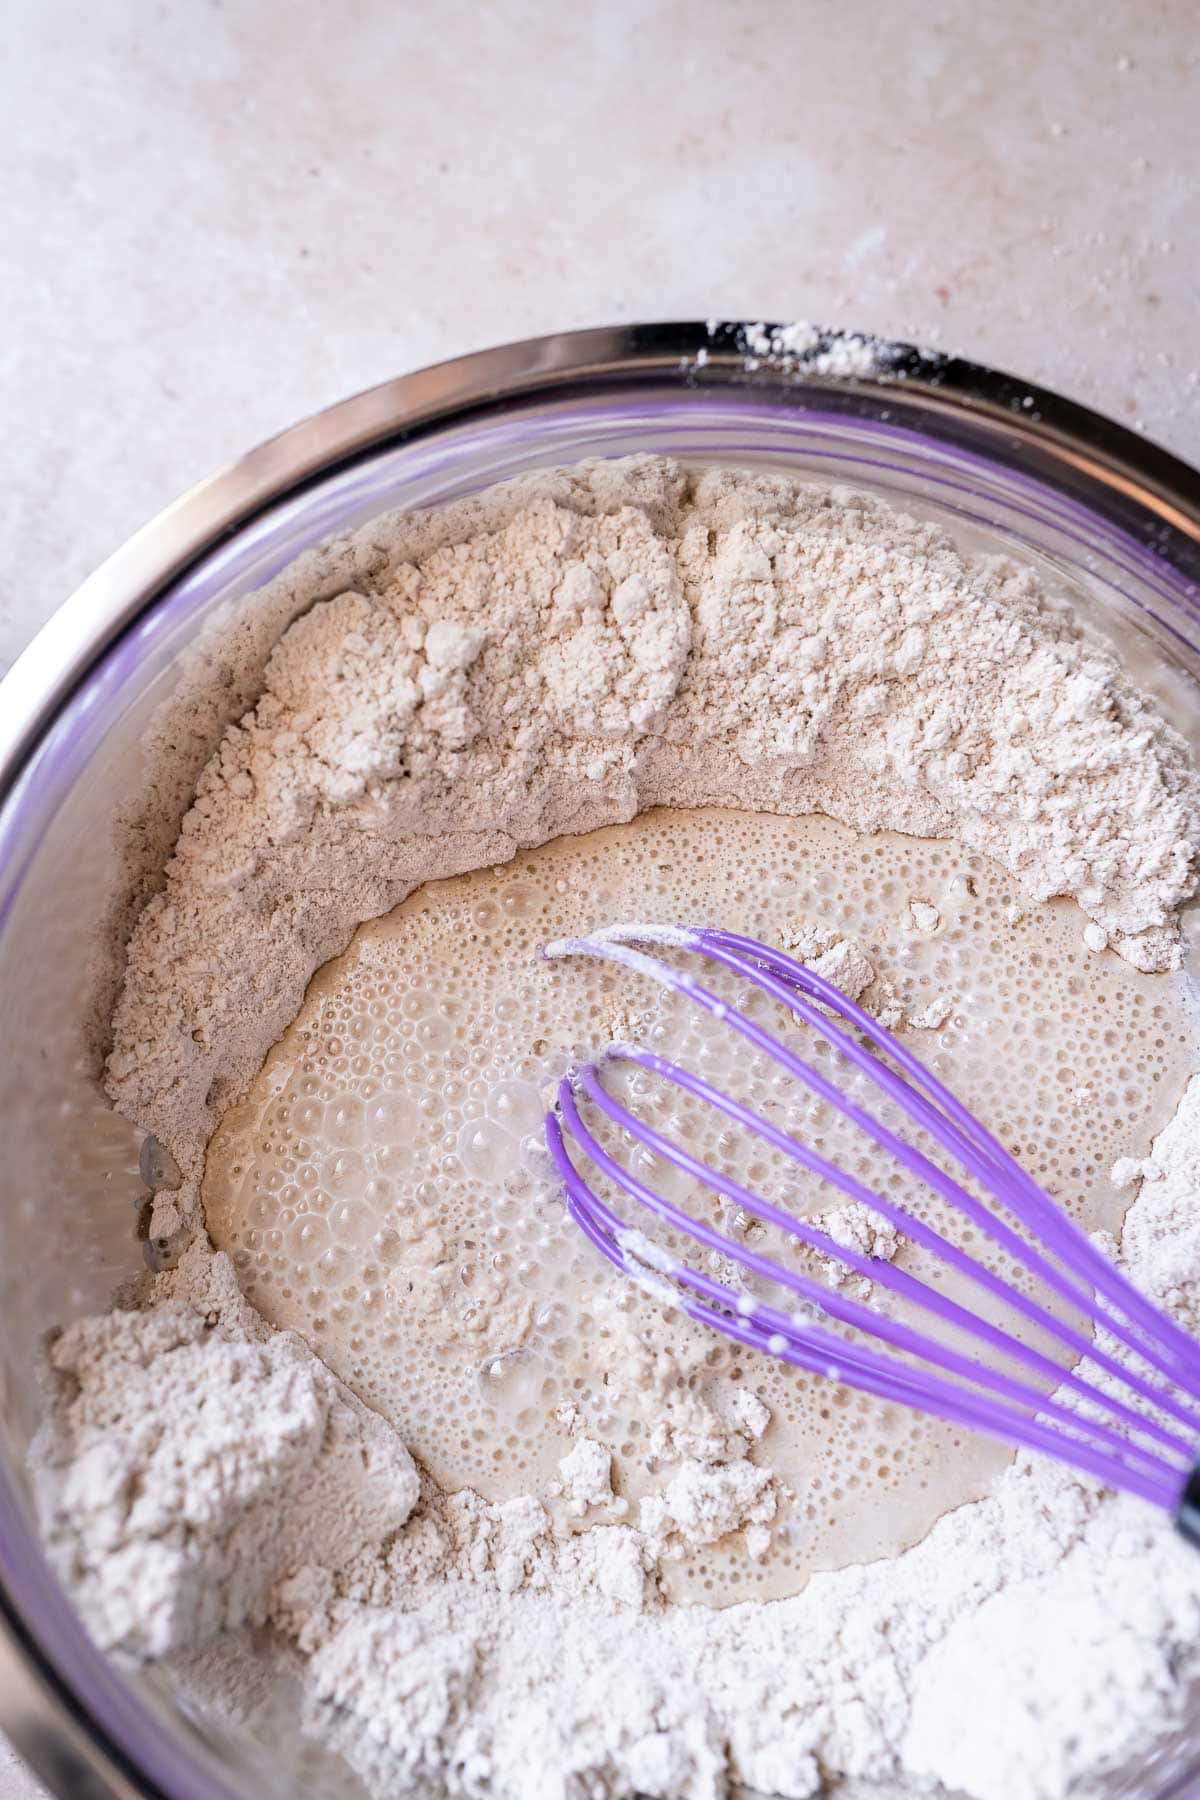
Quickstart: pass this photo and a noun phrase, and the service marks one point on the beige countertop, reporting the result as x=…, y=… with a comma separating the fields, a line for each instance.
x=221, y=216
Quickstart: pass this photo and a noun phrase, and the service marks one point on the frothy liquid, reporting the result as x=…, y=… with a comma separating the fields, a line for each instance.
x=384, y=1188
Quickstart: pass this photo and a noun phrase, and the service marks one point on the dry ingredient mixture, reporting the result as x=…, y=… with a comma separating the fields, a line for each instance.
x=449, y=688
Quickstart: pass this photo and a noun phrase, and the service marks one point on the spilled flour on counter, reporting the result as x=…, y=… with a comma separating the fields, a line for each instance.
x=556, y=656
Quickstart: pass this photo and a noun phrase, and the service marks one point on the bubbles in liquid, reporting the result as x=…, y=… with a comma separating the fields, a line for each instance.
x=384, y=1189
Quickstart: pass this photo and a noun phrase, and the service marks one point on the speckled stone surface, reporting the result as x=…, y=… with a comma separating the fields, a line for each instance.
x=219, y=217
x=16, y=1780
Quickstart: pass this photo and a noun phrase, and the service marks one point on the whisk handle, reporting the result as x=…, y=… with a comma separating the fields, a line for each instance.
x=1187, y=1514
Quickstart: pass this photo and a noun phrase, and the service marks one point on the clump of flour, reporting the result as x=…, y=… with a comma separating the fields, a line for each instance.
x=177, y=1440
x=801, y=345
x=553, y=656
x=842, y=960
x=834, y=956
x=856, y=1227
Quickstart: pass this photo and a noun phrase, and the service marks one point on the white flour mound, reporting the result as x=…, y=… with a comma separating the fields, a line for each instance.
x=566, y=651
x=180, y=1439
x=551, y=657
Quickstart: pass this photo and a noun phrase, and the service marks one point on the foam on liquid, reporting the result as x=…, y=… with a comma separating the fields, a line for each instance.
x=384, y=1188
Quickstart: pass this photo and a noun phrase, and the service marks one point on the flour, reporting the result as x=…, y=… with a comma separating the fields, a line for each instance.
x=842, y=960
x=546, y=658
x=856, y=1227
x=923, y=917
x=177, y=1439
x=586, y=1478
x=837, y=958
x=801, y=345
x=604, y=640
x=704, y=1505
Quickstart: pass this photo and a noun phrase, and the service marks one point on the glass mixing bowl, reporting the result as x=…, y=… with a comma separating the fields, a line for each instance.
x=1114, y=520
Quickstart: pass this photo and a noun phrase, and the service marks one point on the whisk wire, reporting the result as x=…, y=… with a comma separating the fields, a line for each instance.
x=886, y=1274
x=904, y=1338
x=1007, y=1406
x=821, y=1353
x=950, y=1121
x=1179, y=1359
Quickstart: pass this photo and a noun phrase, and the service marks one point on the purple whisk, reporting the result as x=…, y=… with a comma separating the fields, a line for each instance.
x=1129, y=1414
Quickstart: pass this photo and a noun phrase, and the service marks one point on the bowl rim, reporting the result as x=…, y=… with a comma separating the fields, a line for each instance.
x=690, y=354
x=843, y=371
